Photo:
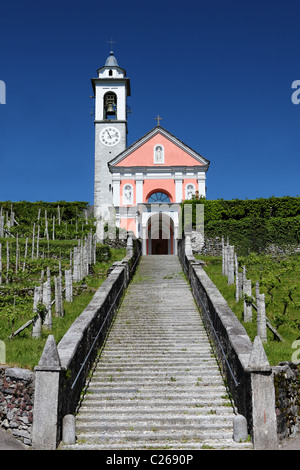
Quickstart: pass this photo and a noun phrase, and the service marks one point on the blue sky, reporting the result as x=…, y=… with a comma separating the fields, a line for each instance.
x=218, y=72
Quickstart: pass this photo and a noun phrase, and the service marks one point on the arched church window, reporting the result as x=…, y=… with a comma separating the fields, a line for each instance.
x=159, y=154
x=159, y=197
x=110, y=73
x=110, y=106
x=189, y=191
x=128, y=194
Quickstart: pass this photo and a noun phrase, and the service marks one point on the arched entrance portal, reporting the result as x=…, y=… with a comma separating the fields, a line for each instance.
x=160, y=234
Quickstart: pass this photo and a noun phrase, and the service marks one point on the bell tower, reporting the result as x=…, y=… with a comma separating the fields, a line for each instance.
x=111, y=89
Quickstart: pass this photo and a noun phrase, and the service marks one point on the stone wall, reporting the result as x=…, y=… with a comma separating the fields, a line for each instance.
x=208, y=246
x=16, y=401
x=286, y=379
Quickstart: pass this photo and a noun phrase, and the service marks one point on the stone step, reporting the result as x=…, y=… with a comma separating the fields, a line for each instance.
x=173, y=403
x=163, y=358
x=155, y=355
x=200, y=397
x=160, y=364
x=165, y=327
x=168, y=359
x=153, y=436
x=145, y=324
x=166, y=332
x=153, y=426
x=144, y=420
x=113, y=410
x=153, y=370
x=145, y=346
x=141, y=334
x=156, y=374
x=144, y=337
x=215, y=383
x=164, y=351
x=207, y=444
x=167, y=319
x=157, y=328
x=115, y=387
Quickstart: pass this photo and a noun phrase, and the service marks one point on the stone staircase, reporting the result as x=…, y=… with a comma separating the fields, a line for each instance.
x=156, y=384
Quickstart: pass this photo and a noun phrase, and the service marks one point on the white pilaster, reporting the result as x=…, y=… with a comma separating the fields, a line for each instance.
x=116, y=183
x=178, y=186
x=144, y=241
x=139, y=181
x=201, y=184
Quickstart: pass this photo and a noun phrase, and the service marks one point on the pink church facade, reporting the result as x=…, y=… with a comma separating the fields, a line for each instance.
x=149, y=181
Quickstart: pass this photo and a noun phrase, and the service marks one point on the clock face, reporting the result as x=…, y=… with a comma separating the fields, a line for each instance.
x=110, y=136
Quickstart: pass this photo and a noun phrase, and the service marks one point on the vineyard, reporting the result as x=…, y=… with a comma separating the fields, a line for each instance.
x=39, y=244
x=279, y=280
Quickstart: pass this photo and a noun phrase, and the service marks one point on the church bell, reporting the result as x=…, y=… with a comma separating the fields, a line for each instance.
x=110, y=109
x=110, y=105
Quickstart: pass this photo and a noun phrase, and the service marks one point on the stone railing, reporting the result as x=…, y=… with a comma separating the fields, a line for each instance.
x=63, y=369
x=246, y=368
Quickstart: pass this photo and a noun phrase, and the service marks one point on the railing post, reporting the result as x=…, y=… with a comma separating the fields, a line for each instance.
x=129, y=246
x=46, y=426
x=263, y=399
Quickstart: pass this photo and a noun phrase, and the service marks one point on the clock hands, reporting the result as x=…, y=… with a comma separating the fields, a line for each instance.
x=111, y=135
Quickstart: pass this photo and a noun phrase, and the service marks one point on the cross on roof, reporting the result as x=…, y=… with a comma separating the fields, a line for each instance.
x=158, y=118
x=111, y=42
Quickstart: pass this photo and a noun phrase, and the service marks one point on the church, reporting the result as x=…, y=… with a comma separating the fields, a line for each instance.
x=140, y=187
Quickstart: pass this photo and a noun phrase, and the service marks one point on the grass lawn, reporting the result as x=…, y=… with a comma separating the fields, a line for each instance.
x=279, y=280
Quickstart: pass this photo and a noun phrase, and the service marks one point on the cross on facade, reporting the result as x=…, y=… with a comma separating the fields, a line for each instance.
x=158, y=118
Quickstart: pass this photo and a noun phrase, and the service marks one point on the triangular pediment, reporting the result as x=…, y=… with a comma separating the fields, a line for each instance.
x=173, y=152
